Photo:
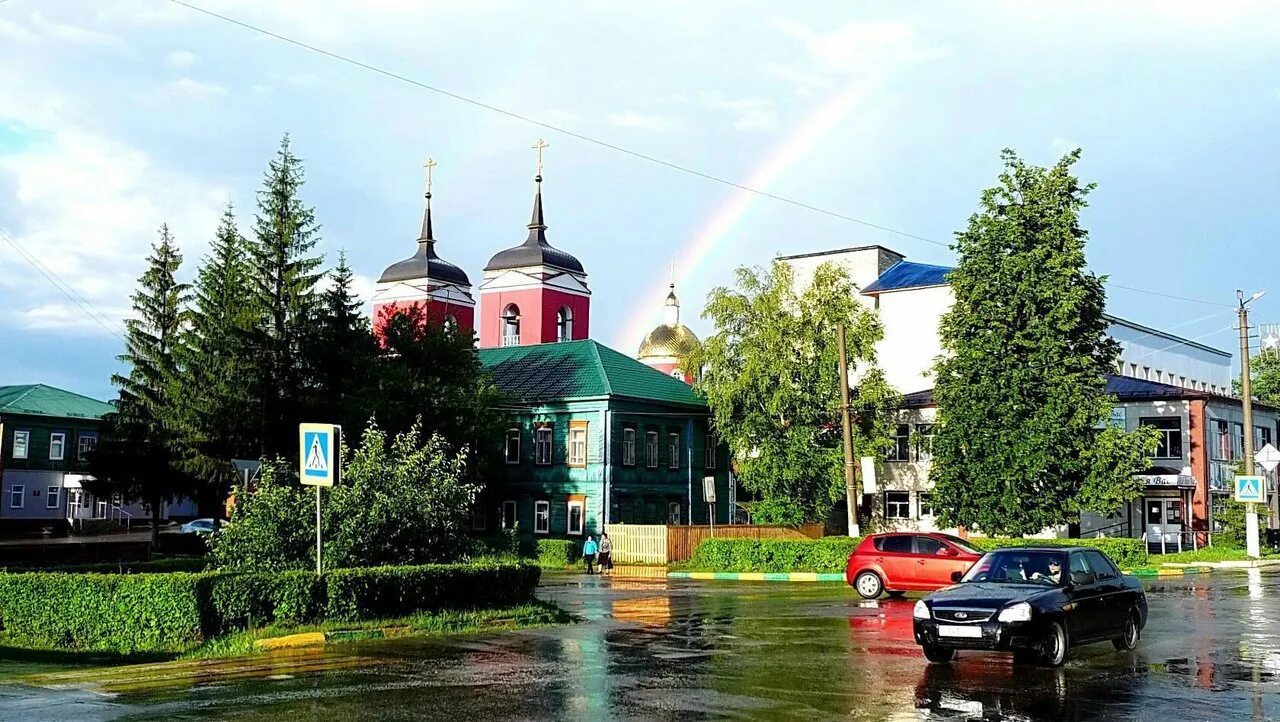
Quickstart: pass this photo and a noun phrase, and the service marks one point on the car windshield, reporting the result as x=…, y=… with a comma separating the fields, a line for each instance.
x=1019, y=567
x=961, y=544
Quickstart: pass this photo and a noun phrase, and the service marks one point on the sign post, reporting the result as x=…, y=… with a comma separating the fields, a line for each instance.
x=318, y=465
x=1251, y=490
x=709, y=496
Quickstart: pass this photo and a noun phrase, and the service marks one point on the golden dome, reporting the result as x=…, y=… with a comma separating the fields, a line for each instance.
x=673, y=340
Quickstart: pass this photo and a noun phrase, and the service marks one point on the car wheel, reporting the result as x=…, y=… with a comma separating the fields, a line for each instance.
x=868, y=584
x=896, y=594
x=938, y=655
x=1053, y=650
x=1128, y=639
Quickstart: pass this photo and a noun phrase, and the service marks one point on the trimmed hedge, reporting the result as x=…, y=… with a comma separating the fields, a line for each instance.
x=558, y=553
x=128, y=613
x=1126, y=553
x=825, y=555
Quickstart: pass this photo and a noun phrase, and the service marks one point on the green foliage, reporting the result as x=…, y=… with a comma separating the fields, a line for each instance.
x=341, y=354
x=140, y=457
x=826, y=555
x=1264, y=374
x=1126, y=553
x=283, y=277
x=1230, y=523
x=558, y=553
x=771, y=377
x=123, y=613
x=399, y=503
x=1021, y=389
x=128, y=613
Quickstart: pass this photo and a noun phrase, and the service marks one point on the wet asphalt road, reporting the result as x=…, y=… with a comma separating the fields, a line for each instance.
x=653, y=649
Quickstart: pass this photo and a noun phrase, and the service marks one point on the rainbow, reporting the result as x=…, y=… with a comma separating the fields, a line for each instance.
x=693, y=255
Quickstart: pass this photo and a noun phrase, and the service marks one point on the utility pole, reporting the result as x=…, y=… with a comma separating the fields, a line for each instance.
x=850, y=475
x=1246, y=399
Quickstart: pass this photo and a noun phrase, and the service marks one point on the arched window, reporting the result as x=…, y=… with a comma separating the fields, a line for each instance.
x=564, y=324
x=450, y=323
x=511, y=325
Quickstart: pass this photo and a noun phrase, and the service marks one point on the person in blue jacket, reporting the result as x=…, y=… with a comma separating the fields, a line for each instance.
x=589, y=553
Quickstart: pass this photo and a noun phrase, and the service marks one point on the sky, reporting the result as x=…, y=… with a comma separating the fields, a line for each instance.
x=119, y=115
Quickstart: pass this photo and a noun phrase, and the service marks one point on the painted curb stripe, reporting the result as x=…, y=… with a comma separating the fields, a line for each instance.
x=759, y=576
x=307, y=639
x=1168, y=572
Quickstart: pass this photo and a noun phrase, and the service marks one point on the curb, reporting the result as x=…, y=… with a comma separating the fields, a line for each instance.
x=1167, y=571
x=317, y=639
x=760, y=576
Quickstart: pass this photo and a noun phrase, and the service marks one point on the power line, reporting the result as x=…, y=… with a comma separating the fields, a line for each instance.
x=605, y=144
x=62, y=286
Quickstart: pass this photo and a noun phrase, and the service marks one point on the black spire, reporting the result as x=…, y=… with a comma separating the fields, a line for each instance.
x=537, y=226
x=426, y=236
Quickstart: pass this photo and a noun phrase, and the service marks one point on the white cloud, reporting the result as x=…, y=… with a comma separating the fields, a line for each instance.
x=71, y=318
x=181, y=59
x=14, y=31
x=634, y=119
x=752, y=113
x=68, y=33
x=194, y=89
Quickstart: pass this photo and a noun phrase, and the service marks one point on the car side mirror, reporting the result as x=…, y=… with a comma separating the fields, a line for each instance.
x=1083, y=578
x=956, y=576
x=948, y=552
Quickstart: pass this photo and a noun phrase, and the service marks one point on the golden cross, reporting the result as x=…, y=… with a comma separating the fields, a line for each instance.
x=538, y=147
x=429, y=165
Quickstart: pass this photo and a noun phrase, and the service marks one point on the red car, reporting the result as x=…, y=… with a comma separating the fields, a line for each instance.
x=899, y=562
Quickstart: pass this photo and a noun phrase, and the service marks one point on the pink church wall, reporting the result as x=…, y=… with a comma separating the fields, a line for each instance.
x=668, y=369
x=436, y=313
x=538, y=307
x=579, y=306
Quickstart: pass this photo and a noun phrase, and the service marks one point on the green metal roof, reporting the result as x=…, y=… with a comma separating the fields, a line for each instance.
x=580, y=369
x=41, y=400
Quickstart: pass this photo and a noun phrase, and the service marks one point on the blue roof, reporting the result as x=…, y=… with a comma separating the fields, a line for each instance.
x=1127, y=387
x=905, y=274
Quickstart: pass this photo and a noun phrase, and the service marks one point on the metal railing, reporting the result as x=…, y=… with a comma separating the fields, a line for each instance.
x=1176, y=541
x=511, y=340
x=121, y=515
x=1101, y=532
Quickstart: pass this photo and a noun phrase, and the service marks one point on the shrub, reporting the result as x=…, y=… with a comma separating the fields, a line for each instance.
x=557, y=553
x=102, y=612
x=826, y=555
x=1126, y=553
x=400, y=591
x=246, y=600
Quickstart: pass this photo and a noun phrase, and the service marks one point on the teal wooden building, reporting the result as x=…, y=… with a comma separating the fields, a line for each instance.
x=595, y=438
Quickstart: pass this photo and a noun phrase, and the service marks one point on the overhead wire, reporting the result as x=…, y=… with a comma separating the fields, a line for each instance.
x=65, y=288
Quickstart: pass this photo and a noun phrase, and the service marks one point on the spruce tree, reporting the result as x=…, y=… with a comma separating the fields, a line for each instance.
x=283, y=277
x=342, y=354
x=216, y=405
x=1021, y=442
x=140, y=457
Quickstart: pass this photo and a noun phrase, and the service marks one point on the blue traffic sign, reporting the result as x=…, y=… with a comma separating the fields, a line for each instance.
x=1251, y=489
x=317, y=444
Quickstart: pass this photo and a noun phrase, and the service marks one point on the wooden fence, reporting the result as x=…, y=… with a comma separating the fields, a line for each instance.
x=657, y=544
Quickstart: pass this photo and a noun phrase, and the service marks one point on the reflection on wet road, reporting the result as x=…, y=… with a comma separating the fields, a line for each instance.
x=654, y=649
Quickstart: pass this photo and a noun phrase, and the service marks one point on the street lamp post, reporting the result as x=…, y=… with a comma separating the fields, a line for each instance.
x=1246, y=400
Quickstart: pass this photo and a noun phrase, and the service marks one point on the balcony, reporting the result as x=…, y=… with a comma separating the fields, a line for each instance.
x=511, y=340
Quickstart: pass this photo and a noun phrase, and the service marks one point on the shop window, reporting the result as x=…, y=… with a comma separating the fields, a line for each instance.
x=541, y=517
x=897, y=505
x=513, y=446
x=628, y=447
x=576, y=513
x=542, y=445
x=901, y=449
x=1170, y=446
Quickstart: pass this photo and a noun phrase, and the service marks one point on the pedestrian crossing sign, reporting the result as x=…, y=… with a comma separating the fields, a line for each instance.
x=317, y=453
x=1251, y=489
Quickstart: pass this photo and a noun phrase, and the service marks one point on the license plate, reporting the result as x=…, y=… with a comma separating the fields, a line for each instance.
x=952, y=630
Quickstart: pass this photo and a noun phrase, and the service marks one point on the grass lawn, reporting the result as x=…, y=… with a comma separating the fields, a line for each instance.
x=1206, y=554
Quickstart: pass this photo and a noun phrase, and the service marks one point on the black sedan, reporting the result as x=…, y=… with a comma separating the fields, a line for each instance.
x=1037, y=602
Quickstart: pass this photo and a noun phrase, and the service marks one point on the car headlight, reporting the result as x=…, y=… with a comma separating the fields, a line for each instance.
x=921, y=610
x=1020, y=612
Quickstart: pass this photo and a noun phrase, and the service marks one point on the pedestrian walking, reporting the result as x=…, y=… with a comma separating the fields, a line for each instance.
x=589, y=553
x=606, y=553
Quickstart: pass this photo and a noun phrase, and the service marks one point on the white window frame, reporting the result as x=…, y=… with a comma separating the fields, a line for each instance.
x=582, y=517
x=53, y=495
x=628, y=446
x=513, y=434
x=61, y=437
x=650, y=443
x=673, y=451
x=1167, y=435
x=901, y=449
x=673, y=513
x=903, y=506
x=25, y=435
x=709, y=452
x=542, y=517
x=17, y=492
x=509, y=504
x=564, y=324
x=925, y=500
x=543, y=440
x=80, y=445
x=924, y=441
x=577, y=455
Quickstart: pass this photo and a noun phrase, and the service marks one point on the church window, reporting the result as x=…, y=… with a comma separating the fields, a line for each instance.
x=651, y=449
x=450, y=323
x=542, y=445
x=564, y=324
x=511, y=325
x=628, y=447
x=677, y=374
x=513, y=446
